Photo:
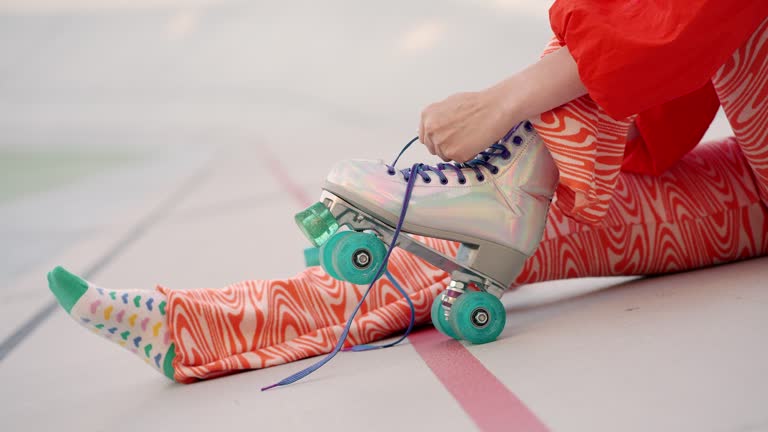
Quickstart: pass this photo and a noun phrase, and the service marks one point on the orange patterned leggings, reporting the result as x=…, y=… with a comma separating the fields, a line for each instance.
x=710, y=208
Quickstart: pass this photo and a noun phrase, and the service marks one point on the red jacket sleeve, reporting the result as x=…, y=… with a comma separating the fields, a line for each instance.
x=669, y=131
x=634, y=55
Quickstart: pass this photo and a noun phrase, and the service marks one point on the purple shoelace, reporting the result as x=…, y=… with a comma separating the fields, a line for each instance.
x=409, y=175
x=483, y=159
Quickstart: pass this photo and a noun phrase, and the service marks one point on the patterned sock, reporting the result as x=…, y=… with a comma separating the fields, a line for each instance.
x=134, y=319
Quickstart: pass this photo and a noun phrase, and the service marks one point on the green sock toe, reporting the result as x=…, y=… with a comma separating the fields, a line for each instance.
x=67, y=288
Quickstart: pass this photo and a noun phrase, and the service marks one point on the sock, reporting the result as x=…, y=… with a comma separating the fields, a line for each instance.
x=134, y=319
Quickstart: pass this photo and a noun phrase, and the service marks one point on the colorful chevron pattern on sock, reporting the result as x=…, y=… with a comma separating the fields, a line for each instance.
x=134, y=319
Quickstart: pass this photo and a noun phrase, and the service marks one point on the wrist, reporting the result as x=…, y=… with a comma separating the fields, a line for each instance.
x=542, y=86
x=506, y=101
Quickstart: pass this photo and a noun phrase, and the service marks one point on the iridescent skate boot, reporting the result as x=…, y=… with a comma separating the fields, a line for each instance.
x=494, y=205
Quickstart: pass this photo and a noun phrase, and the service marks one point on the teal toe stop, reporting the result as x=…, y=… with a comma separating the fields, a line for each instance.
x=67, y=287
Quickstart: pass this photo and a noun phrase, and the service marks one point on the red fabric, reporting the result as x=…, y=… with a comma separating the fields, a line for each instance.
x=655, y=59
x=669, y=131
x=634, y=55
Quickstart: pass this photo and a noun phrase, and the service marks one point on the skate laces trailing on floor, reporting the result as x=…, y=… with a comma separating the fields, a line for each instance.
x=409, y=175
x=343, y=337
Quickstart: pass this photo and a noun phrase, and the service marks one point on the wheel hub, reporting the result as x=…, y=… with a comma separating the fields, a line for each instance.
x=480, y=317
x=361, y=258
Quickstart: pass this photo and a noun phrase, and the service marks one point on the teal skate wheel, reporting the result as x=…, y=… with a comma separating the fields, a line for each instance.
x=478, y=317
x=317, y=223
x=327, y=252
x=438, y=317
x=312, y=256
x=353, y=256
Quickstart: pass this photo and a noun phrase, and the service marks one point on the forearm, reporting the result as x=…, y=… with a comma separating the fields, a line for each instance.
x=463, y=124
x=545, y=85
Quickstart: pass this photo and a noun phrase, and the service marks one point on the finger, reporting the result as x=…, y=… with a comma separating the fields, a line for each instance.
x=440, y=149
x=429, y=143
x=442, y=155
x=458, y=158
x=463, y=159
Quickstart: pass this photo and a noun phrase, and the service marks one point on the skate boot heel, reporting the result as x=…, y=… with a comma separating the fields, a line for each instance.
x=500, y=265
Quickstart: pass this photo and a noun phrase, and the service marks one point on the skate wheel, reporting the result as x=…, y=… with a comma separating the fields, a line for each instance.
x=478, y=317
x=438, y=317
x=327, y=250
x=312, y=256
x=352, y=256
x=317, y=223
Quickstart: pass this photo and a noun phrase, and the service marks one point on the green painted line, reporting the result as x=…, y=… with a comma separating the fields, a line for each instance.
x=24, y=171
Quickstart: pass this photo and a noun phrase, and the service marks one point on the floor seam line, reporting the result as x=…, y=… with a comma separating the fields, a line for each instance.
x=135, y=233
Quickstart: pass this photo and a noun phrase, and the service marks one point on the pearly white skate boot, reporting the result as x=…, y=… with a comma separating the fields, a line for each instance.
x=494, y=205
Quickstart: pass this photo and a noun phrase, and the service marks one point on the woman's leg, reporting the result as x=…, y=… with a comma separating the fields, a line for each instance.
x=706, y=210
x=205, y=333
x=742, y=87
x=257, y=324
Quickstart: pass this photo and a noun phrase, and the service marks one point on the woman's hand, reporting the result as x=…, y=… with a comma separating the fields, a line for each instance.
x=464, y=124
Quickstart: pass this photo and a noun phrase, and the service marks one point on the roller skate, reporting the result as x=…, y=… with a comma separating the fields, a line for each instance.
x=495, y=206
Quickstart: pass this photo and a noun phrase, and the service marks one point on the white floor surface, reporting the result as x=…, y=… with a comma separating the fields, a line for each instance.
x=239, y=109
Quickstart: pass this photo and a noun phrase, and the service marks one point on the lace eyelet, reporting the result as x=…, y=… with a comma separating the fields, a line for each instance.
x=462, y=181
x=444, y=182
x=480, y=178
x=494, y=170
x=517, y=140
x=528, y=126
x=506, y=156
x=428, y=180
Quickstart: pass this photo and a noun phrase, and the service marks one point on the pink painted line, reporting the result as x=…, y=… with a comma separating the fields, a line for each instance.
x=490, y=404
x=281, y=175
